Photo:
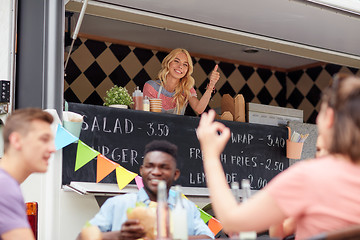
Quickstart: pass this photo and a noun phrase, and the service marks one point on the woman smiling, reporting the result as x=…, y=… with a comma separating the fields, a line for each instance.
x=176, y=85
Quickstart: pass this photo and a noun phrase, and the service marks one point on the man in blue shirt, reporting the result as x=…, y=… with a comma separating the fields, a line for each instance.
x=159, y=164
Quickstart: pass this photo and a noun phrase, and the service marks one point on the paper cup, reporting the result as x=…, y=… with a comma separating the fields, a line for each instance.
x=293, y=149
x=73, y=122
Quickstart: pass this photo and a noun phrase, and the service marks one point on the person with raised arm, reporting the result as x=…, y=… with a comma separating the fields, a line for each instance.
x=175, y=85
x=286, y=229
x=320, y=194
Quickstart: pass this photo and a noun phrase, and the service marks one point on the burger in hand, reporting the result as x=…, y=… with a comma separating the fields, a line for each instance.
x=146, y=217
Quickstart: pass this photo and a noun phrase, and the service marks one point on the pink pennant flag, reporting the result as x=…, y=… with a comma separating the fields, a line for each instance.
x=139, y=182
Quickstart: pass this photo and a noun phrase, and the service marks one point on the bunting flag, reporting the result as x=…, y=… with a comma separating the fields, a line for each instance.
x=104, y=167
x=124, y=177
x=204, y=215
x=139, y=182
x=214, y=225
x=186, y=198
x=84, y=155
x=63, y=137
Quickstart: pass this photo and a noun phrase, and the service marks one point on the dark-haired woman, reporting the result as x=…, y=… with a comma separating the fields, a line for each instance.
x=321, y=195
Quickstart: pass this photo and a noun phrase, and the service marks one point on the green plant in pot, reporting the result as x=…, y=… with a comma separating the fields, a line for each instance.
x=117, y=96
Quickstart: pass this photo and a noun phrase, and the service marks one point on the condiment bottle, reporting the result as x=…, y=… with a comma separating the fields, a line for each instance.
x=245, y=185
x=236, y=193
x=138, y=99
x=179, y=217
x=146, y=104
x=162, y=213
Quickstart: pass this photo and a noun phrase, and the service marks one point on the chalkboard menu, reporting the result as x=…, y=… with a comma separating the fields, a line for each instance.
x=254, y=151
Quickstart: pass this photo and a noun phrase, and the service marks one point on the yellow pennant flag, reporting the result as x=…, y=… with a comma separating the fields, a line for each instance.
x=84, y=155
x=124, y=177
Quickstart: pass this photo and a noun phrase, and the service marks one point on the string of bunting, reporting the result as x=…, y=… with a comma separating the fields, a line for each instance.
x=105, y=166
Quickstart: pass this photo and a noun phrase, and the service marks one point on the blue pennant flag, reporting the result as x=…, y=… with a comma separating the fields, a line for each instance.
x=63, y=138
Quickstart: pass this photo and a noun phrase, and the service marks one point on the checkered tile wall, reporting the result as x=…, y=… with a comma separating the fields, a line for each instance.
x=304, y=87
x=95, y=67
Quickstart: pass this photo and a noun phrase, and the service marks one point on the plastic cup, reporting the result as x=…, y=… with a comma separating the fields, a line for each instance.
x=155, y=110
x=155, y=104
x=73, y=122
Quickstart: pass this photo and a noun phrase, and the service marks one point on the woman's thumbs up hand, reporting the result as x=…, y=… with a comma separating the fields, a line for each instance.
x=214, y=77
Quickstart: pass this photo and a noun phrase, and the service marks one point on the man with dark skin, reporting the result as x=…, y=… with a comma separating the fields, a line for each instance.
x=159, y=164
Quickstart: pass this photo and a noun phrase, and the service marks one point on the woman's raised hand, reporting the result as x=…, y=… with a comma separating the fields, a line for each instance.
x=213, y=136
x=214, y=77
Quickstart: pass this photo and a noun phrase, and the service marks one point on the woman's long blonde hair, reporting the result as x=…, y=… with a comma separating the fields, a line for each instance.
x=182, y=90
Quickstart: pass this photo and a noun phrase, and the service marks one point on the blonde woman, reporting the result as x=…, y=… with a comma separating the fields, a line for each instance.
x=175, y=85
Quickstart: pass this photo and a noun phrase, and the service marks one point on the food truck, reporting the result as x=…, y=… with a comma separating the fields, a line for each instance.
x=280, y=53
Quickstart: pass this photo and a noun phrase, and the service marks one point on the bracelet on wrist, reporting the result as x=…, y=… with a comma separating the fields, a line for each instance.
x=212, y=90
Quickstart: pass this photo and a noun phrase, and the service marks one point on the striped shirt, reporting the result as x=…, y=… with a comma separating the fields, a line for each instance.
x=153, y=89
